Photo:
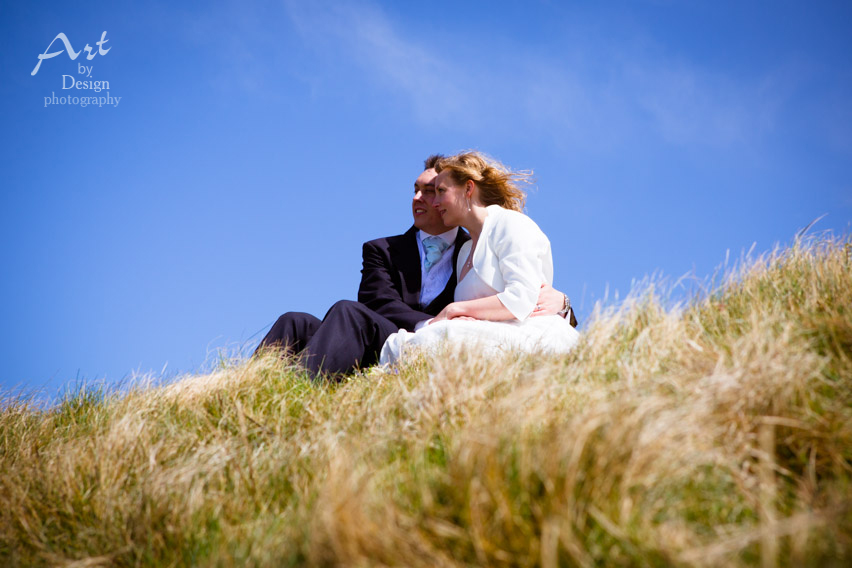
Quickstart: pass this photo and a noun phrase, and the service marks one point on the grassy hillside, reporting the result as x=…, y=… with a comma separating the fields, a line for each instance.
x=719, y=433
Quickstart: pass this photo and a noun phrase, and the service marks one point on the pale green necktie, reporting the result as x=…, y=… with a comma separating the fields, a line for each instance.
x=434, y=247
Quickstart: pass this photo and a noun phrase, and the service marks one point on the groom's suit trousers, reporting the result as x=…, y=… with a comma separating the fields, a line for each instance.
x=350, y=335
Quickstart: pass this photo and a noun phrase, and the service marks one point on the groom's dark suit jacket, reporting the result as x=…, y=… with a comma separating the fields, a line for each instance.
x=390, y=279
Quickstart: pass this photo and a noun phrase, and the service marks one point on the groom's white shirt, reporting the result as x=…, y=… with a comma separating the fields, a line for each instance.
x=434, y=281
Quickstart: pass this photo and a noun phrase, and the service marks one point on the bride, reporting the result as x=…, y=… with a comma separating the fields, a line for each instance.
x=500, y=269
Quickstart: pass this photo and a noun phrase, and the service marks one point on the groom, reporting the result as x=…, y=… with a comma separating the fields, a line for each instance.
x=405, y=280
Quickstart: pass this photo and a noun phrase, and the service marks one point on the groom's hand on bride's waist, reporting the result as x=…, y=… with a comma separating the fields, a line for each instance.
x=550, y=301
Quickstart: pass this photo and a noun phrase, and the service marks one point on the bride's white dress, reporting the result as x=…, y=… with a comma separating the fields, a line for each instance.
x=532, y=334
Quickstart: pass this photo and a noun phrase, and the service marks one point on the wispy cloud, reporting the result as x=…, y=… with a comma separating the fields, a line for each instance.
x=687, y=104
x=244, y=40
x=366, y=36
x=597, y=96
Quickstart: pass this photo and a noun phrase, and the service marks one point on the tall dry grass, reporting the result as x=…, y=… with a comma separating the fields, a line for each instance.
x=719, y=433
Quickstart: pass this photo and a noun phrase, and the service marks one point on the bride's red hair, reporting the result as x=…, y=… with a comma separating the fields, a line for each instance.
x=498, y=185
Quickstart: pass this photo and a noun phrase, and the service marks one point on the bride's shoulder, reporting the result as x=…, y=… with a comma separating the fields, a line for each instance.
x=509, y=220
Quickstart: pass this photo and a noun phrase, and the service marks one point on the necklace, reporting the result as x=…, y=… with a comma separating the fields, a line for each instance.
x=468, y=265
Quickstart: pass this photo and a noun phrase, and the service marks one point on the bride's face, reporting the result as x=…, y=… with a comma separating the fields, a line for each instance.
x=450, y=199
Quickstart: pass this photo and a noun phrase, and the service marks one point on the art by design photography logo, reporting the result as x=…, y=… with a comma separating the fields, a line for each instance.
x=86, y=83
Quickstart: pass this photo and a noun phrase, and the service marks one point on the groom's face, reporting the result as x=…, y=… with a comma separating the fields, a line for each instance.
x=426, y=217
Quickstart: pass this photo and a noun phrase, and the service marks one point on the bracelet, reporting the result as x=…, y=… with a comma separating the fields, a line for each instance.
x=566, y=306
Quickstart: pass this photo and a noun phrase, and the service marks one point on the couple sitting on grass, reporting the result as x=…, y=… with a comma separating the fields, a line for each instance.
x=436, y=284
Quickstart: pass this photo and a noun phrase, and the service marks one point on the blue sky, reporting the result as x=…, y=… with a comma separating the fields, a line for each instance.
x=256, y=145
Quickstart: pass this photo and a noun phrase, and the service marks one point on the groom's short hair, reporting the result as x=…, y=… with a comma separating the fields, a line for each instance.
x=429, y=163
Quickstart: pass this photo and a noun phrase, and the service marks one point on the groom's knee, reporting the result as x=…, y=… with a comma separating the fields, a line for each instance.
x=290, y=322
x=290, y=331
x=347, y=309
x=294, y=317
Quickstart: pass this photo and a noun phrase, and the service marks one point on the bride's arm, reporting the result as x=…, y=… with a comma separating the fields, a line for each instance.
x=488, y=308
x=523, y=256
